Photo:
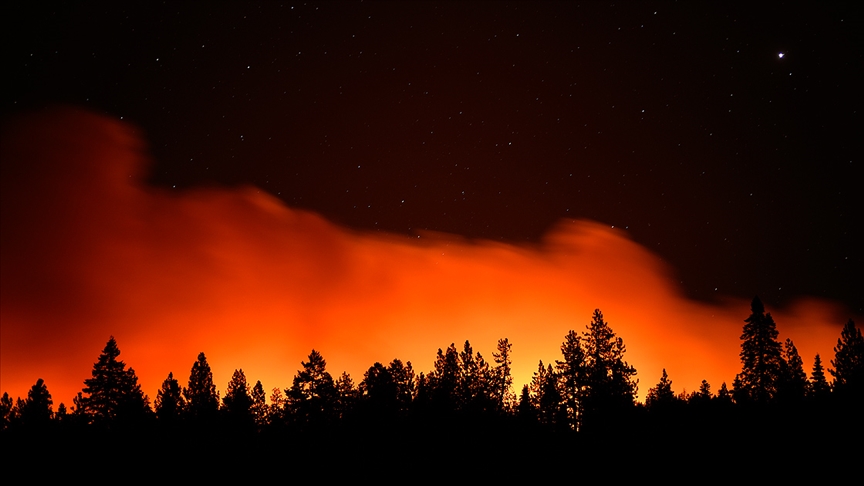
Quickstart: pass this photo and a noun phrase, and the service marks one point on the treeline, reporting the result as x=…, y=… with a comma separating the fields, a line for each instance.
x=591, y=389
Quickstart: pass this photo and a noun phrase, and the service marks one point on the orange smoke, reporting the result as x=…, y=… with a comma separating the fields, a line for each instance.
x=89, y=251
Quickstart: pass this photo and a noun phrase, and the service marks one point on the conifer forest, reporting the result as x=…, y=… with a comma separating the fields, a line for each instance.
x=579, y=404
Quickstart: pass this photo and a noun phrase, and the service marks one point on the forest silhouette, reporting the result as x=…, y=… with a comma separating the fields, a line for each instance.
x=465, y=410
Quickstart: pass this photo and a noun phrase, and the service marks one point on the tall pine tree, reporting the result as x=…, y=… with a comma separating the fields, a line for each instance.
x=312, y=399
x=403, y=378
x=761, y=359
x=169, y=402
x=237, y=404
x=502, y=378
x=36, y=410
x=259, y=405
x=573, y=376
x=474, y=393
x=379, y=391
x=347, y=396
x=443, y=381
x=702, y=396
x=818, y=387
x=793, y=382
x=202, y=401
x=661, y=396
x=610, y=383
x=112, y=394
x=8, y=412
x=848, y=362
x=546, y=398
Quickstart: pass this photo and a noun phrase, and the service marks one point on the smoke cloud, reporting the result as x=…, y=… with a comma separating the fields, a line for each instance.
x=89, y=251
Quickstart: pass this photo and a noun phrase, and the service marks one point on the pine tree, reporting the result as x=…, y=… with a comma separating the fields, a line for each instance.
x=202, y=401
x=848, y=362
x=36, y=410
x=444, y=380
x=403, y=378
x=473, y=390
x=62, y=415
x=422, y=402
x=546, y=399
x=169, y=402
x=661, y=396
x=739, y=394
x=701, y=397
x=79, y=409
x=379, y=390
x=610, y=386
x=762, y=363
x=237, y=404
x=113, y=393
x=573, y=373
x=312, y=399
x=277, y=407
x=348, y=395
x=502, y=376
x=525, y=409
x=818, y=386
x=724, y=397
x=259, y=405
x=793, y=381
x=7, y=411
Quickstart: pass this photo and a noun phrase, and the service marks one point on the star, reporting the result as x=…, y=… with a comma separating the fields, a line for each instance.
x=780, y=55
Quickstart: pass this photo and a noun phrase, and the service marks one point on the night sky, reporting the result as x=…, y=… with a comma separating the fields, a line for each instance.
x=722, y=137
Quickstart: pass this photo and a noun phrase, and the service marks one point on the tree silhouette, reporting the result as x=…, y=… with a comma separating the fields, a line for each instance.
x=79, y=409
x=444, y=380
x=848, y=362
x=762, y=363
x=792, y=385
x=7, y=411
x=312, y=398
x=403, y=378
x=422, y=402
x=62, y=415
x=202, y=401
x=259, y=405
x=277, y=407
x=724, y=397
x=36, y=410
x=702, y=396
x=502, y=376
x=473, y=392
x=610, y=384
x=347, y=396
x=112, y=393
x=818, y=386
x=574, y=378
x=525, y=409
x=661, y=396
x=739, y=394
x=237, y=404
x=379, y=391
x=546, y=399
x=169, y=401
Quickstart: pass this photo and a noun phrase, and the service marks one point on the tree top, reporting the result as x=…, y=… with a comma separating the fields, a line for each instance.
x=756, y=306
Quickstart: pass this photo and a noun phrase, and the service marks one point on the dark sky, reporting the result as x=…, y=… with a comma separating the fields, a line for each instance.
x=679, y=122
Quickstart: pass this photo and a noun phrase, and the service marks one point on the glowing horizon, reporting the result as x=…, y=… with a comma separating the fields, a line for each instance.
x=89, y=251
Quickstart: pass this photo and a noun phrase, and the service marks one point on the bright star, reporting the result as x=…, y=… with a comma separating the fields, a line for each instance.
x=780, y=55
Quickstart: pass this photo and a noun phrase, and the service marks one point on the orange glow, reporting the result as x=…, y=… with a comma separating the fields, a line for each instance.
x=89, y=251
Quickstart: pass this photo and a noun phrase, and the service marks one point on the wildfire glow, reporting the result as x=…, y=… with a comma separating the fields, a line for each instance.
x=89, y=251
